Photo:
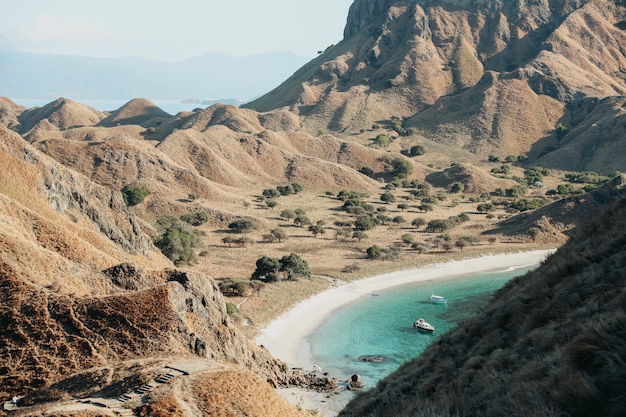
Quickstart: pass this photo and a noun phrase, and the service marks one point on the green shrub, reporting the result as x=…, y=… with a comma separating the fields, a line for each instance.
x=134, y=195
x=231, y=308
x=383, y=140
x=243, y=226
x=177, y=240
x=291, y=266
x=196, y=219
x=417, y=150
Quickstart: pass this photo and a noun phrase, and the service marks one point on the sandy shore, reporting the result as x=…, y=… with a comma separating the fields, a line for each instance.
x=286, y=337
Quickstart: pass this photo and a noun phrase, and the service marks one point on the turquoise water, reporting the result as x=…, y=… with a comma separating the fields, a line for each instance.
x=382, y=324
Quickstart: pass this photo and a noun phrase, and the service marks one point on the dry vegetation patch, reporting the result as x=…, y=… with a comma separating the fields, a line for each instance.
x=239, y=394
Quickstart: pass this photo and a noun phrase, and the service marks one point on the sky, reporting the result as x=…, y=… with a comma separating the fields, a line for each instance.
x=172, y=30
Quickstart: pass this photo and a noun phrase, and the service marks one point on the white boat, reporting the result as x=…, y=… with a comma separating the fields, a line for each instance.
x=437, y=299
x=424, y=326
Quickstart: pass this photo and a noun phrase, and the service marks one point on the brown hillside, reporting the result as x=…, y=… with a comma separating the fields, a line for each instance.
x=60, y=114
x=488, y=77
x=592, y=139
x=214, y=161
x=59, y=219
x=559, y=219
x=9, y=113
x=475, y=180
x=84, y=289
x=138, y=111
x=219, y=392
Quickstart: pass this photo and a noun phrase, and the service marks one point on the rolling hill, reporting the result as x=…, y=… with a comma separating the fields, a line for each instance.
x=424, y=111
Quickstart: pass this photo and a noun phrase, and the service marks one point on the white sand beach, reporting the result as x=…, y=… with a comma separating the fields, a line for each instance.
x=286, y=337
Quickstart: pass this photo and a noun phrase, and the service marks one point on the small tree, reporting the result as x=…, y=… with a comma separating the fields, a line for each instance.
x=401, y=167
x=279, y=234
x=435, y=226
x=421, y=247
x=288, y=214
x=343, y=233
x=317, y=229
x=398, y=220
x=359, y=235
x=243, y=226
x=177, y=240
x=374, y=252
x=271, y=193
x=388, y=197
x=295, y=267
x=266, y=269
x=302, y=220
x=285, y=189
x=297, y=187
x=426, y=207
x=364, y=223
x=367, y=171
x=418, y=222
x=417, y=150
x=457, y=187
x=269, y=238
x=407, y=239
x=196, y=219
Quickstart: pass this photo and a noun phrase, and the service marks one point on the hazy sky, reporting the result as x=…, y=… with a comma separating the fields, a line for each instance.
x=171, y=30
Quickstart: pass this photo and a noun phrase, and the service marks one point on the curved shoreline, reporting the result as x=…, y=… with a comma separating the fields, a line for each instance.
x=286, y=337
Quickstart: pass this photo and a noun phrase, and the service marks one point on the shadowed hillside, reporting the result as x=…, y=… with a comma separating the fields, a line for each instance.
x=550, y=343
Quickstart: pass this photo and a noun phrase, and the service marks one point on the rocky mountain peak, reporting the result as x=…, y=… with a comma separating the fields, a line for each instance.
x=483, y=75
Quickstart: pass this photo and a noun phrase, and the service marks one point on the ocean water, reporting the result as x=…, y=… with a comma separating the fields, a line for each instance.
x=382, y=324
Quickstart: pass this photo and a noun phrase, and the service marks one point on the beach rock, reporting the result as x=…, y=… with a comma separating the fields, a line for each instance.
x=311, y=380
x=355, y=382
x=372, y=358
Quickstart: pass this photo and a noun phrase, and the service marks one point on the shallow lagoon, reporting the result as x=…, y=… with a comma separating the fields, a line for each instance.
x=382, y=324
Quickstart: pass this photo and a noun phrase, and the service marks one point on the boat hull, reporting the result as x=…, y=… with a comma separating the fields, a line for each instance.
x=423, y=326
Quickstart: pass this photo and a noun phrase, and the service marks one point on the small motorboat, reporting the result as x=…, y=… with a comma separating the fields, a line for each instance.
x=437, y=299
x=424, y=326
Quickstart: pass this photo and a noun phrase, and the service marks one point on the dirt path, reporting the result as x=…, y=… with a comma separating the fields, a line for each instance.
x=125, y=403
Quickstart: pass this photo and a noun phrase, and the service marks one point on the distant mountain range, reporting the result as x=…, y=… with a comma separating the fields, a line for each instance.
x=207, y=77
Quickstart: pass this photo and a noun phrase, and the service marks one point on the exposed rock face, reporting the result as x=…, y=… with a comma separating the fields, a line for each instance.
x=483, y=75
